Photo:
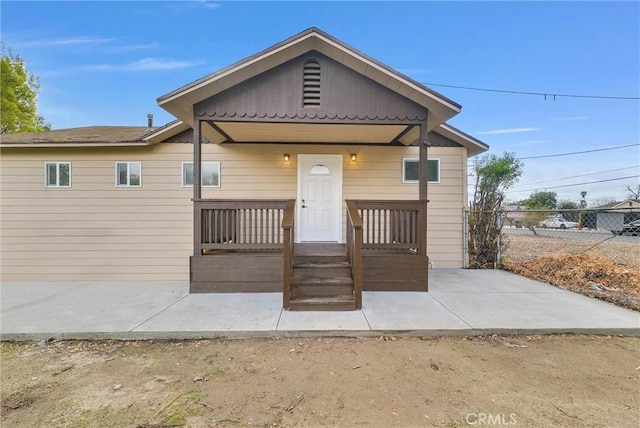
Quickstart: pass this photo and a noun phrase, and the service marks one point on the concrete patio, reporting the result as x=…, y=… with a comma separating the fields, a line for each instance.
x=460, y=302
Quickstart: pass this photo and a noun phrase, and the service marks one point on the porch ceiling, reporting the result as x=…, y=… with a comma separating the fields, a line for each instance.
x=264, y=132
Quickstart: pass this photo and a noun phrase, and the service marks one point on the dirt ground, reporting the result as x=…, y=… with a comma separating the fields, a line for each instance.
x=609, y=271
x=533, y=381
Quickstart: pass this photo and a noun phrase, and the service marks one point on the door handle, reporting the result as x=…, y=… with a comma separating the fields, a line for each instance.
x=303, y=205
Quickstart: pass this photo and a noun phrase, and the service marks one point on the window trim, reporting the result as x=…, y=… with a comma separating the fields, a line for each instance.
x=128, y=163
x=404, y=163
x=46, y=174
x=201, y=183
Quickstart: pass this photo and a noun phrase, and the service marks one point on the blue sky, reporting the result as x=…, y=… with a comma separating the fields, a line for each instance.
x=105, y=63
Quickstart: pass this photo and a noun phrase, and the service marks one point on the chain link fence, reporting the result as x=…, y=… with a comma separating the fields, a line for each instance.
x=592, y=252
x=526, y=235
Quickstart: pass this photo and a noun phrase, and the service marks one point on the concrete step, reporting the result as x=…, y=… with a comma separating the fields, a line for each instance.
x=323, y=303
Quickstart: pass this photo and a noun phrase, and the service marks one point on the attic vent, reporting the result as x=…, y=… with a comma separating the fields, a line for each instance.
x=311, y=84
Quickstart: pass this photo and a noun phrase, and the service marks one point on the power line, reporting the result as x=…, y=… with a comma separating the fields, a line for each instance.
x=576, y=184
x=579, y=153
x=585, y=175
x=543, y=94
x=471, y=162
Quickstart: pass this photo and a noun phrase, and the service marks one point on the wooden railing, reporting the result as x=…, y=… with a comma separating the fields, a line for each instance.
x=288, y=222
x=354, y=249
x=270, y=225
x=238, y=225
x=393, y=225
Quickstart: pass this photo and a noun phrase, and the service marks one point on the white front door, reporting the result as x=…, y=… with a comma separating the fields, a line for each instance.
x=319, y=198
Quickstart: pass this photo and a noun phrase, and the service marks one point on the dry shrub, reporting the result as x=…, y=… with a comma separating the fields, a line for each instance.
x=527, y=248
x=591, y=274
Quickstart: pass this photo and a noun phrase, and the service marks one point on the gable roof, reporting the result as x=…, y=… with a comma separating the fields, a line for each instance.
x=629, y=203
x=473, y=145
x=401, y=106
x=180, y=101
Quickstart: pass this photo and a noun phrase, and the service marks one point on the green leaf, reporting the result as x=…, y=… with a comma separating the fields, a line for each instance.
x=18, y=96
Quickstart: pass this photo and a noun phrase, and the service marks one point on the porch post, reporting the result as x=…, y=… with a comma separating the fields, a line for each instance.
x=197, y=164
x=423, y=174
x=422, y=189
x=197, y=187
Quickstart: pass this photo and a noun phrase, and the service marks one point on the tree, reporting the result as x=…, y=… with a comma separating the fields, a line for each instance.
x=568, y=209
x=541, y=200
x=18, y=96
x=633, y=193
x=567, y=205
x=538, y=201
x=493, y=175
x=598, y=202
x=532, y=220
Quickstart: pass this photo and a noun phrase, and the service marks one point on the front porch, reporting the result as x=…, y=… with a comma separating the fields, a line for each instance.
x=250, y=246
x=325, y=106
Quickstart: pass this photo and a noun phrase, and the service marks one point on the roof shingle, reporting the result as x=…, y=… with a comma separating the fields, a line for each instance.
x=89, y=135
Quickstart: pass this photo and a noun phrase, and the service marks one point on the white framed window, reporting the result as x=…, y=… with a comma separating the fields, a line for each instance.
x=210, y=174
x=411, y=170
x=128, y=174
x=57, y=174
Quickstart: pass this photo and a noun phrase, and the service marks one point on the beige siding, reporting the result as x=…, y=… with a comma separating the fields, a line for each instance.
x=95, y=231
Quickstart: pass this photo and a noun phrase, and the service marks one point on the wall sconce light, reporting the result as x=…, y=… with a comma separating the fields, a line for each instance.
x=287, y=158
x=353, y=157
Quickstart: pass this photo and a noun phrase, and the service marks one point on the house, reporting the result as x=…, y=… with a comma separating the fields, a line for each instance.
x=316, y=162
x=614, y=215
x=514, y=215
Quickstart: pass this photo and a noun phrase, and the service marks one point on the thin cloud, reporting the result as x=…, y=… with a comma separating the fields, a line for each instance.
x=210, y=5
x=131, y=48
x=146, y=64
x=507, y=131
x=569, y=118
x=105, y=44
x=64, y=42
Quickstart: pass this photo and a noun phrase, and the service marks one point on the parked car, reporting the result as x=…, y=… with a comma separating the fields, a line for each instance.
x=558, y=222
x=632, y=229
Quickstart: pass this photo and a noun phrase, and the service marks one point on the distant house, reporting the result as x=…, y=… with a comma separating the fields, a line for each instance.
x=314, y=166
x=614, y=215
x=627, y=205
x=514, y=215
